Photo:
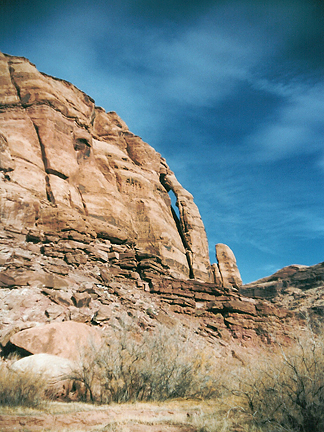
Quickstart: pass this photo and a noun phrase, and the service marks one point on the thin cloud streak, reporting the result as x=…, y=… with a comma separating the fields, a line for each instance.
x=299, y=128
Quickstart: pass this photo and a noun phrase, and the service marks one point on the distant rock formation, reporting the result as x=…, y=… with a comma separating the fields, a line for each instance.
x=294, y=276
x=296, y=287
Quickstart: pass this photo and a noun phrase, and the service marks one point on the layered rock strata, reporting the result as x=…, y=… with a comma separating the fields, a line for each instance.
x=68, y=166
x=47, y=280
x=299, y=288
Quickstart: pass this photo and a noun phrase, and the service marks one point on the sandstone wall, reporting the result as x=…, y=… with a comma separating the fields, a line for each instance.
x=68, y=166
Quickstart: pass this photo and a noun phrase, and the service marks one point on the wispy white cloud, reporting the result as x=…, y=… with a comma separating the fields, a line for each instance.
x=203, y=65
x=304, y=222
x=297, y=129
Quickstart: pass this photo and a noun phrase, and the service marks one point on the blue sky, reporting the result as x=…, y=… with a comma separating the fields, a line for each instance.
x=230, y=92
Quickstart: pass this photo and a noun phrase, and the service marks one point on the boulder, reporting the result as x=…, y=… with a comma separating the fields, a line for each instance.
x=66, y=339
x=57, y=373
x=81, y=299
x=53, y=367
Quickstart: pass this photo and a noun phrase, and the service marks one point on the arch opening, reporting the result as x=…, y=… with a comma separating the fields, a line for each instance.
x=177, y=218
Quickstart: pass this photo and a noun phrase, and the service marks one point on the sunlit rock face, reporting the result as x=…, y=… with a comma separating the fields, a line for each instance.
x=228, y=272
x=67, y=166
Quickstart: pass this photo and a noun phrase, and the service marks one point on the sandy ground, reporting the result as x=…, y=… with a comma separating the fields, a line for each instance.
x=77, y=417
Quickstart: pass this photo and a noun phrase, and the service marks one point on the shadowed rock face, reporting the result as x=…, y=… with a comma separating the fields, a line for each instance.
x=68, y=166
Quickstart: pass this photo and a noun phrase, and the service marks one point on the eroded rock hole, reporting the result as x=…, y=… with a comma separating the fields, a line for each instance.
x=176, y=217
x=82, y=147
x=174, y=206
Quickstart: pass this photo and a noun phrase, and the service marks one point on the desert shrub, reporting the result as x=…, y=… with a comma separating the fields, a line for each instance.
x=286, y=392
x=160, y=365
x=20, y=388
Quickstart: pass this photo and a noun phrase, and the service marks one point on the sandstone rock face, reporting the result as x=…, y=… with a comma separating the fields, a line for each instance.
x=88, y=235
x=68, y=166
x=66, y=339
x=228, y=271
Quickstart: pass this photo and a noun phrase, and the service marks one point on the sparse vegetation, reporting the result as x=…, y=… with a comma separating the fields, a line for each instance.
x=20, y=388
x=159, y=366
x=277, y=391
x=285, y=392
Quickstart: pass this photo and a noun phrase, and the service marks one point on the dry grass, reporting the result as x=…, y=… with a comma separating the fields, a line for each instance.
x=119, y=417
x=20, y=389
x=277, y=391
x=286, y=391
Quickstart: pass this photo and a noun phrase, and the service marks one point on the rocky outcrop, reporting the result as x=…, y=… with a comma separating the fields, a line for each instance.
x=49, y=285
x=89, y=238
x=226, y=272
x=67, y=339
x=297, y=287
x=294, y=276
x=67, y=166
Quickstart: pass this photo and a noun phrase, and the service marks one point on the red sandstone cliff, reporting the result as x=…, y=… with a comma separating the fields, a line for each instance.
x=67, y=165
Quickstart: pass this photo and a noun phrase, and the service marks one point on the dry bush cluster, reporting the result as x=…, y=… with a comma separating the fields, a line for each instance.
x=161, y=365
x=278, y=391
x=20, y=388
x=286, y=391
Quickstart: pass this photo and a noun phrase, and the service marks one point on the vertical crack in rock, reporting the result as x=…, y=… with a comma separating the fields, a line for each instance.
x=184, y=242
x=83, y=202
x=49, y=192
x=93, y=116
x=219, y=271
x=11, y=73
